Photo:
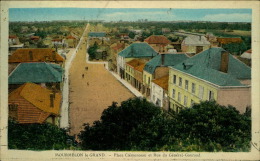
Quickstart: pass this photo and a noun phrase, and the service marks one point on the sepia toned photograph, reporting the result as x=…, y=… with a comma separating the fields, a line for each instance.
x=129, y=82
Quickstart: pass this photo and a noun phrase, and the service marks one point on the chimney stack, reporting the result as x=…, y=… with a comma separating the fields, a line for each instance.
x=224, y=62
x=163, y=57
x=31, y=55
x=51, y=100
x=53, y=56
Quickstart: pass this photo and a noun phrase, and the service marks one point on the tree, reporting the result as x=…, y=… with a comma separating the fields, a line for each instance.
x=140, y=125
x=215, y=126
x=37, y=137
x=116, y=128
x=92, y=51
x=131, y=34
x=235, y=48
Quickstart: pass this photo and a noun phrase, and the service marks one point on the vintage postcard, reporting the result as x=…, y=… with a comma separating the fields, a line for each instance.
x=130, y=80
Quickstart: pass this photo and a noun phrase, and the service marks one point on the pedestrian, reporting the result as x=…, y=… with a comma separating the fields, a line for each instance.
x=83, y=75
x=86, y=68
x=104, y=65
x=87, y=83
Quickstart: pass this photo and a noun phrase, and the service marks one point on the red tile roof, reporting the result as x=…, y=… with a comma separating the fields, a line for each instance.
x=140, y=68
x=38, y=55
x=227, y=40
x=35, y=37
x=70, y=37
x=135, y=63
x=60, y=40
x=12, y=37
x=162, y=82
x=157, y=39
x=34, y=103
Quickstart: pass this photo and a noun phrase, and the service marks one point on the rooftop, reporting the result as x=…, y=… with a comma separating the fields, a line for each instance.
x=169, y=60
x=38, y=55
x=138, y=50
x=206, y=66
x=39, y=97
x=162, y=82
x=157, y=39
x=96, y=34
x=196, y=40
x=36, y=73
x=227, y=40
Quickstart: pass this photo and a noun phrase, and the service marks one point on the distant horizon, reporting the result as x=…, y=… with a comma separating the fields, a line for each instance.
x=129, y=14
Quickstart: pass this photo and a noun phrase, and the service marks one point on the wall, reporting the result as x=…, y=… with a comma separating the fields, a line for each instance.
x=188, y=93
x=156, y=93
x=237, y=97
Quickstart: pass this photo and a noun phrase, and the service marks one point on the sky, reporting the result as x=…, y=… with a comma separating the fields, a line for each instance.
x=130, y=14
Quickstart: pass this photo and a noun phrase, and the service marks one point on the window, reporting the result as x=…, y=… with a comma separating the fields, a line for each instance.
x=186, y=84
x=145, y=79
x=173, y=93
x=191, y=103
x=179, y=96
x=149, y=80
x=180, y=81
x=193, y=86
x=185, y=100
x=174, y=79
x=13, y=107
x=201, y=92
x=154, y=97
x=211, y=95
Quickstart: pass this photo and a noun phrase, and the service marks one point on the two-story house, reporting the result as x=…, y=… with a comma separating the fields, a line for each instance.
x=195, y=44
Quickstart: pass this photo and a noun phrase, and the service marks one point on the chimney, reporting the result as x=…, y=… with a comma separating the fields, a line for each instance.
x=163, y=57
x=53, y=56
x=224, y=62
x=51, y=100
x=31, y=55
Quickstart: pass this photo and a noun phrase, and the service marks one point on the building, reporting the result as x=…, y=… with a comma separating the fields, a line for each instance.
x=114, y=49
x=159, y=92
x=227, y=40
x=135, y=50
x=71, y=41
x=32, y=103
x=134, y=73
x=33, y=55
x=158, y=42
x=13, y=40
x=247, y=54
x=213, y=74
x=166, y=30
x=194, y=44
x=158, y=67
x=46, y=74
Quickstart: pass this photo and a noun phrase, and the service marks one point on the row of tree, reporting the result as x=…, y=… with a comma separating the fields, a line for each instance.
x=137, y=124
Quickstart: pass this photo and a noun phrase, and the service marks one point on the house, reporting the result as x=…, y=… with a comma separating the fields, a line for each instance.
x=32, y=103
x=194, y=44
x=212, y=39
x=158, y=42
x=158, y=67
x=71, y=41
x=134, y=73
x=59, y=42
x=33, y=55
x=46, y=74
x=166, y=30
x=35, y=38
x=114, y=49
x=13, y=40
x=135, y=50
x=99, y=35
x=247, y=54
x=227, y=40
x=159, y=92
x=213, y=74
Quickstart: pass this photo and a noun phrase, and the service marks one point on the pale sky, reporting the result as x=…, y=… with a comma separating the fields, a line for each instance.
x=130, y=14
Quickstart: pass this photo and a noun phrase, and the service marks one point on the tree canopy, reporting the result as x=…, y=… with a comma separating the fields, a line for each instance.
x=137, y=124
x=37, y=137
